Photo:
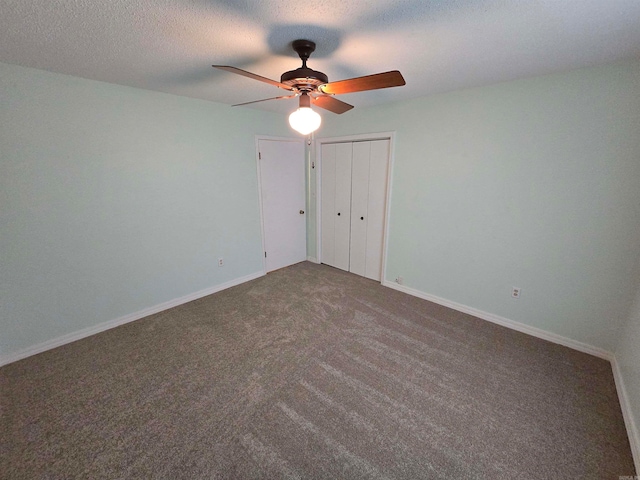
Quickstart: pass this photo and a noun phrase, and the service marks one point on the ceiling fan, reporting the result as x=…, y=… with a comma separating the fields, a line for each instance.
x=314, y=87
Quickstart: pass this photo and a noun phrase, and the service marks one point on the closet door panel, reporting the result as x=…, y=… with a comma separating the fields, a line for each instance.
x=376, y=206
x=342, y=215
x=359, y=200
x=328, y=204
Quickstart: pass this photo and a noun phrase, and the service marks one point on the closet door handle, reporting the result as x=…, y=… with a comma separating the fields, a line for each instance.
x=338, y=213
x=361, y=218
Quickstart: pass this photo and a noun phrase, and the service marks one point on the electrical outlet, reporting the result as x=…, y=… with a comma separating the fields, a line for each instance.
x=400, y=280
x=515, y=292
x=221, y=262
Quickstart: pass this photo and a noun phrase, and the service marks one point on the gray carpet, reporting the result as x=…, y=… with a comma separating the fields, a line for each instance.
x=311, y=372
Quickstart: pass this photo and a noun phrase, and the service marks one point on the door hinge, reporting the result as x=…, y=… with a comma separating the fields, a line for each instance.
x=259, y=156
x=265, y=254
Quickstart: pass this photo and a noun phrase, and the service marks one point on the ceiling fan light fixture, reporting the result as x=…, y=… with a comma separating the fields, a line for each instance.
x=305, y=120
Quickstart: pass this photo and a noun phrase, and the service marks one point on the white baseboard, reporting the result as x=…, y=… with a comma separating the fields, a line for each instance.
x=627, y=413
x=505, y=322
x=101, y=327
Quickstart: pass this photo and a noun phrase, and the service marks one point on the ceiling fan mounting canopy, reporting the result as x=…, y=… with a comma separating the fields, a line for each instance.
x=304, y=48
x=313, y=86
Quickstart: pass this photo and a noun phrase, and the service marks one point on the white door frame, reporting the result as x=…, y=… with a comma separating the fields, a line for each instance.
x=355, y=138
x=257, y=141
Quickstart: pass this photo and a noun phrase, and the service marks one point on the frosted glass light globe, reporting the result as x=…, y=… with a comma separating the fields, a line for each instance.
x=305, y=120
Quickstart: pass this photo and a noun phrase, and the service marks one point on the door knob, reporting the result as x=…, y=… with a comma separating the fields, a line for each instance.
x=338, y=213
x=361, y=218
x=301, y=212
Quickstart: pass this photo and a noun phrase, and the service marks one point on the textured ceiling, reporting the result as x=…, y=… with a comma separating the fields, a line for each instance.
x=169, y=45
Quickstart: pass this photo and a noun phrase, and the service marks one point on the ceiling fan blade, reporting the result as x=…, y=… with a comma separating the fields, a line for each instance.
x=264, y=100
x=361, y=84
x=244, y=73
x=332, y=104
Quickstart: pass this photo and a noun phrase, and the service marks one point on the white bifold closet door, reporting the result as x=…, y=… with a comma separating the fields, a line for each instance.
x=354, y=192
x=368, y=194
x=336, y=204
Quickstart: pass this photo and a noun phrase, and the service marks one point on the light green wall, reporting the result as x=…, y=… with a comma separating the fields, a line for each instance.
x=114, y=199
x=533, y=183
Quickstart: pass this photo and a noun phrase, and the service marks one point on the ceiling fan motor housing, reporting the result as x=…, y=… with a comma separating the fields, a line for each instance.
x=304, y=78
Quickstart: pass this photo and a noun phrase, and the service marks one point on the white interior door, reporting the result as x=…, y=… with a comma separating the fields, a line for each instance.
x=359, y=204
x=376, y=207
x=343, y=205
x=336, y=204
x=282, y=187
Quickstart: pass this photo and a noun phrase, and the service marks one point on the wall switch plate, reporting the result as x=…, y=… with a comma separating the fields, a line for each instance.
x=220, y=262
x=515, y=292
